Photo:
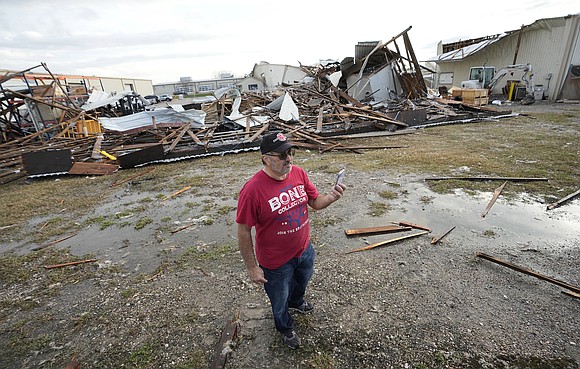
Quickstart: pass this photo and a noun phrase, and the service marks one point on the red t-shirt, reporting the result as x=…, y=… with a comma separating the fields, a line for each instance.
x=279, y=211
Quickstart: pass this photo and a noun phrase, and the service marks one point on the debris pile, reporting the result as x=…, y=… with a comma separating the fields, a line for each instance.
x=49, y=129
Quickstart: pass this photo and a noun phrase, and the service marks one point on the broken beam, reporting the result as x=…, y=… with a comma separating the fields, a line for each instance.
x=413, y=225
x=563, y=200
x=226, y=344
x=132, y=177
x=434, y=240
x=375, y=230
x=52, y=243
x=186, y=188
x=69, y=264
x=511, y=179
x=496, y=194
x=529, y=272
x=382, y=243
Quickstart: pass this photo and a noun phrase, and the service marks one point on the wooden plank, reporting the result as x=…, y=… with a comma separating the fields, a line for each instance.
x=69, y=264
x=194, y=137
x=131, y=178
x=510, y=179
x=570, y=293
x=226, y=344
x=529, y=272
x=260, y=131
x=319, y=120
x=496, y=194
x=182, y=132
x=413, y=225
x=563, y=200
x=97, y=169
x=53, y=243
x=186, y=188
x=336, y=147
x=375, y=230
x=434, y=240
x=382, y=243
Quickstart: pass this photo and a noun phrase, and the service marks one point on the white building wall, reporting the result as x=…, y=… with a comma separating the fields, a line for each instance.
x=543, y=45
x=244, y=85
x=274, y=75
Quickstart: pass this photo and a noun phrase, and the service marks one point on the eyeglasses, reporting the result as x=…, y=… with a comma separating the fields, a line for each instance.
x=283, y=155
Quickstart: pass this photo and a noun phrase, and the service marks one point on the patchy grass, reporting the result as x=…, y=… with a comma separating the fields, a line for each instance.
x=388, y=195
x=142, y=222
x=324, y=219
x=378, y=208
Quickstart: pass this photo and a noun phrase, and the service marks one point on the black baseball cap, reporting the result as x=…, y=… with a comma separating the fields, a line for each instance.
x=276, y=142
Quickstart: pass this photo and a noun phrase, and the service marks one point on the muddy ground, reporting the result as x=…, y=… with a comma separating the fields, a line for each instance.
x=160, y=295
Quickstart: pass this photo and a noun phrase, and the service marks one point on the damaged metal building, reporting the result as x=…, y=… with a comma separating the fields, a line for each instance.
x=551, y=46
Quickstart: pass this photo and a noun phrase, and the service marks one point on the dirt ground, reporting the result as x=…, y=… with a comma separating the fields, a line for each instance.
x=160, y=298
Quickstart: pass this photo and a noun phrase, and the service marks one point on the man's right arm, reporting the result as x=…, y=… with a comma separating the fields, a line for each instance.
x=248, y=255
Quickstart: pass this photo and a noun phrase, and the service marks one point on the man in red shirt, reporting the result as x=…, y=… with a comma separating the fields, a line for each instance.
x=275, y=202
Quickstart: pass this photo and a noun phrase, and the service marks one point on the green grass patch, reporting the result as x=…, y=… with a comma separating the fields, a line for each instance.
x=377, y=209
x=142, y=222
x=388, y=195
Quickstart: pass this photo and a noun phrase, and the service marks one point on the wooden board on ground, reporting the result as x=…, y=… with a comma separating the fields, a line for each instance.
x=96, y=169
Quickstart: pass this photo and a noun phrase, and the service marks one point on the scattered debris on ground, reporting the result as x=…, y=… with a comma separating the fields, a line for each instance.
x=53, y=129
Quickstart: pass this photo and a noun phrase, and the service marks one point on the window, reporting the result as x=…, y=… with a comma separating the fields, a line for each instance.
x=204, y=88
x=253, y=87
x=482, y=74
x=446, y=79
x=229, y=85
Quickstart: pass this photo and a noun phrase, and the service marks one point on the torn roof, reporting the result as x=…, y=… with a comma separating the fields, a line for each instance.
x=464, y=52
x=476, y=45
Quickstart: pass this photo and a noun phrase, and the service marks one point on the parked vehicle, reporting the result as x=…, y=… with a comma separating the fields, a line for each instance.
x=153, y=99
x=165, y=97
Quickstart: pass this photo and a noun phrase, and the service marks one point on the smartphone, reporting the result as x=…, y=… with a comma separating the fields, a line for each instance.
x=339, y=177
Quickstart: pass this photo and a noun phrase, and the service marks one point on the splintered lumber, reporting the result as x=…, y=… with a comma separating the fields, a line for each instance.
x=382, y=243
x=177, y=193
x=434, y=240
x=529, y=272
x=570, y=293
x=496, y=194
x=69, y=264
x=52, y=243
x=413, y=225
x=563, y=200
x=511, y=179
x=226, y=344
x=376, y=230
x=132, y=177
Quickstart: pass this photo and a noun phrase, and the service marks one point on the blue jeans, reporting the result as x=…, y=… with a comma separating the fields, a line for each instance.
x=286, y=287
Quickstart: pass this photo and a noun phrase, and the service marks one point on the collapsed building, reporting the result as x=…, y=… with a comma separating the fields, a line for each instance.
x=380, y=91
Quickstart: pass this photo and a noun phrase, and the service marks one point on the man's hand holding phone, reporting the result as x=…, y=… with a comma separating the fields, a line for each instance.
x=339, y=177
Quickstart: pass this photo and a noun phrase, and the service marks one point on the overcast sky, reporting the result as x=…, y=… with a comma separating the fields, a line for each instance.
x=164, y=40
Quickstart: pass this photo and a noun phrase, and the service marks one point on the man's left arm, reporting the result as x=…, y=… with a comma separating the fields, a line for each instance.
x=323, y=200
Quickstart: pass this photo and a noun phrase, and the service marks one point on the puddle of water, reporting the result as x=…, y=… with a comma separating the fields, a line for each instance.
x=523, y=221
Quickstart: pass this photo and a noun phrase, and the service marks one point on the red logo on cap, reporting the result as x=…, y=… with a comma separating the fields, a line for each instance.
x=280, y=137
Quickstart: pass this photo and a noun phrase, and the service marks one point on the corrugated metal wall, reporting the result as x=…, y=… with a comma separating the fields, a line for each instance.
x=546, y=45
